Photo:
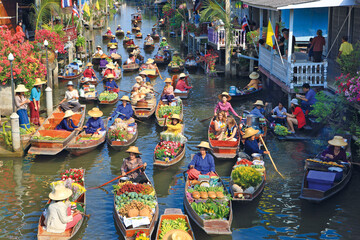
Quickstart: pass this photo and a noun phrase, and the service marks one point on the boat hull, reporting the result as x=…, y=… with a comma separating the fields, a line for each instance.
x=177, y=159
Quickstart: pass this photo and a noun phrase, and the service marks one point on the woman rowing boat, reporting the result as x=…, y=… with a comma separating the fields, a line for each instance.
x=132, y=162
x=224, y=105
x=202, y=163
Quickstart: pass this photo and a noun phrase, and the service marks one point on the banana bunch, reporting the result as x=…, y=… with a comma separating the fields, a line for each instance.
x=170, y=224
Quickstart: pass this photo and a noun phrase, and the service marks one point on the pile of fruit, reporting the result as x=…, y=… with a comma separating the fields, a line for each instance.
x=47, y=138
x=108, y=96
x=281, y=130
x=166, y=110
x=170, y=224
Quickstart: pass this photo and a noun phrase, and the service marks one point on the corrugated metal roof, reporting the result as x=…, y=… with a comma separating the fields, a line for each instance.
x=274, y=4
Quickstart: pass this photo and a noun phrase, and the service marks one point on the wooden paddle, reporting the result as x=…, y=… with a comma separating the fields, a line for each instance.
x=159, y=72
x=124, y=91
x=117, y=177
x=272, y=161
x=206, y=119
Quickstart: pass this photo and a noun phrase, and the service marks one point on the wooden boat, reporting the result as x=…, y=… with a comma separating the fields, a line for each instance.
x=135, y=29
x=119, y=33
x=90, y=95
x=118, y=145
x=130, y=67
x=116, y=58
x=210, y=226
x=106, y=36
x=223, y=149
x=173, y=161
x=76, y=73
x=92, y=81
x=162, y=60
x=129, y=233
x=138, y=35
x=173, y=214
x=151, y=73
x=130, y=48
x=175, y=68
x=47, y=140
x=112, y=44
x=149, y=46
x=156, y=37
x=96, y=60
x=136, y=17
x=160, y=120
x=238, y=95
x=317, y=196
x=182, y=95
x=190, y=67
x=77, y=148
x=144, y=110
x=126, y=39
x=108, y=102
x=69, y=233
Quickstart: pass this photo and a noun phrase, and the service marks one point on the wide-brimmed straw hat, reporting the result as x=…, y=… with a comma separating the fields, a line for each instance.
x=103, y=56
x=254, y=75
x=119, y=25
x=95, y=112
x=249, y=132
x=176, y=116
x=176, y=53
x=128, y=32
x=177, y=234
x=113, y=36
x=164, y=38
x=89, y=64
x=108, y=28
x=38, y=81
x=60, y=193
x=110, y=76
x=182, y=75
x=110, y=65
x=21, y=88
x=138, y=79
x=204, y=144
x=68, y=113
x=150, y=61
x=338, y=141
x=295, y=101
x=168, y=80
x=125, y=98
x=259, y=103
x=70, y=83
x=133, y=149
x=113, y=46
x=98, y=47
x=220, y=96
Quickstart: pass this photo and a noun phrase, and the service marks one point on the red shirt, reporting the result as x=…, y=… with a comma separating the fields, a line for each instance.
x=318, y=43
x=108, y=71
x=182, y=86
x=299, y=114
x=89, y=73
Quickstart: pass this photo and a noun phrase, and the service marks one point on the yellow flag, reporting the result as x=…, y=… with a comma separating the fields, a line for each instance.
x=86, y=8
x=269, y=35
x=97, y=5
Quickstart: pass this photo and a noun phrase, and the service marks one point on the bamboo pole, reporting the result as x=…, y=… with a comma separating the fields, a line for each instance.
x=272, y=161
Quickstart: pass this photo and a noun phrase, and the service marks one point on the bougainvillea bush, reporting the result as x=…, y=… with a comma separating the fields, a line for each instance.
x=26, y=64
x=54, y=39
x=350, y=87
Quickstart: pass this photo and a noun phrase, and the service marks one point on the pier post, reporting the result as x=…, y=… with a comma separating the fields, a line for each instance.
x=15, y=132
x=49, y=101
x=56, y=73
x=182, y=31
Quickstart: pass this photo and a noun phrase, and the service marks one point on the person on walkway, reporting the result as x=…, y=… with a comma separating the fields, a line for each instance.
x=110, y=84
x=21, y=103
x=67, y=123
x=108, y=32
x=220, y=124
x=202, y=163
x=132, y=162
x=103, y=61
x=113, y=39
x=251, y=144
x=149, y=39
x=71, y=99
x=89, y=71
x=99, y=52
x=95, y=124
x=124, y=110
x=335, y=152
x=164, y=43
x=19, y=28
x=224, y=105
x=279, y=114
x=181, y=85
x=307, y=100
x=168, y=92
x=34, y=104
x=110, y=69
x=317, y=46
x=297, y=116
x=258, y=110
x=196, y=18
x=118, y=28
x=254, y=82
x=345, y=48
x=58, y=217
x=310, y=50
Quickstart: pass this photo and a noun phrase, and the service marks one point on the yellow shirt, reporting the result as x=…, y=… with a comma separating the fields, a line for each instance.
x=346, y=48
x=175, y=129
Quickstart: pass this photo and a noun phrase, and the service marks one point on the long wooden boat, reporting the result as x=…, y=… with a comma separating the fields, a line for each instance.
x=210, y=226
x=145, y=110
x=244, y=93
x=223, y=149
x=77, y=148
x=76, y=75
x=92, y=81
x=160, y=120
x=316, y=195
x=151, y=73
x=190, y=67
x=119, y=33
x=164, y=60
x=130, y=67
x=172, y=161
x=172, y=68
x=119, y=145
x=138, y=35
x=110, y=44
x=130, y=48
x=109, y=102
x=149, y=46
x=89, y=96
x=96, y=60
x=47, y=140
x=69, y=233
x=136, y=17
x=156, y=37
x=173, y=214
x=182, y=95
x=106, y=36
x=129, y=233
x=126, y=39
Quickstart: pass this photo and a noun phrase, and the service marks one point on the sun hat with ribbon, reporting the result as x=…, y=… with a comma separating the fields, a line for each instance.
x=177, y=234
x=125, y=98
x=95, y=112
x=133, y=149
x=182, y=75
x=249, y=132
x=60, y=192
x=119, y=25
x=295, y=101
x=259, y=103
x=176, y=116
x=89, y=64
x=168, y=80
x=21, y=88
x=68, y=113
x=38, y=82
x=254, y=75
x=338, y=141
x=149, y=61
x=224, y=94
x=204, y=144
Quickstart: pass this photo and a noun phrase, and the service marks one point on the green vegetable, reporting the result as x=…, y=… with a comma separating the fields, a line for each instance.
x=211, y=209
x=281, y=130
x=246, y=177
x=168, y=110
x=170, y=224
x=108, y=96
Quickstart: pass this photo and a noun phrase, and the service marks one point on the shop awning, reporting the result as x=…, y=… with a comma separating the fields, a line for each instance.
x=160, y=1
x=299, y=4
x=322, y=3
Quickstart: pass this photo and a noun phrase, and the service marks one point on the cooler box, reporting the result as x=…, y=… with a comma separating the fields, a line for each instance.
x=232, y=91
x=319, y=180
x=338, y=171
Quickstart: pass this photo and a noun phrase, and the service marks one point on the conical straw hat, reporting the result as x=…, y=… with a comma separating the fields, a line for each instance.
x=249, y=132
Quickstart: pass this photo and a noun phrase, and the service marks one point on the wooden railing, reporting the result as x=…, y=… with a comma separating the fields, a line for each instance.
x=217, y=37
x=296, y=73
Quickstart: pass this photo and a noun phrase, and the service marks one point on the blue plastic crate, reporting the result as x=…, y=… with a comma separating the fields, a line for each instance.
x=319, y=180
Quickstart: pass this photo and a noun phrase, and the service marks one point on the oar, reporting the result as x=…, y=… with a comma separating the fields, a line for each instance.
x=206, y=119
x=272, y=161
x=124, y=91
x=117, y=177
x=134, y=119
x=159, y=72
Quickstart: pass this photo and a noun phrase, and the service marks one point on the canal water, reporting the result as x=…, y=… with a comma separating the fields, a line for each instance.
x=277, y=214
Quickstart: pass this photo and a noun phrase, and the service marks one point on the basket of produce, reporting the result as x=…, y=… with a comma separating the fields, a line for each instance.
x=107, y=97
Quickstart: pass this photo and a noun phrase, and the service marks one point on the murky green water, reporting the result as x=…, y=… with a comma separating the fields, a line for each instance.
x=278, y=213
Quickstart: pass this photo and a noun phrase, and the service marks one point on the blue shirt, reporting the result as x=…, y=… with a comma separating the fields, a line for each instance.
x=310, y=96
x=252, y=146
x=258, y=112
x=113, y=40
x=35, y=94
x=205, y=165
x=93, y=125
x=63, y=125
x=197, y=18
x=111, y=85
x=280, y=113
x=125, y=112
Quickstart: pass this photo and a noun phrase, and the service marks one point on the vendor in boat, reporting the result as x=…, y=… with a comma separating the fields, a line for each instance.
x=254, y=82
x=34, y=104
x=149, y=64
x=118, y=28
x=138, y=80
x=98, y=51
x=258, y=110
x=220, y=124
x=279, y=114
x=108, y=32
x=21, y=103
x=130, y=43
x=128, y=34
x=112, y=49
x=124, y=110
x=174, y=129
x=136, y=52
x=164, y=43
x=145, y=88
x=202, y=162
x=67, y=123
x=181, y=85
x=144, y=77
x=297, y=117
x=103, y=61
x=336, y=151
x=113, y=39
x=131, y=60
x=177, y=59
x=224, y=105
x=95, y=124
x=132, y=162
x=251, y=144
x=71, y=99
x=149, y=39
x=110, y=69
x=135, y=24
x=168, y=92
x=190, y=57
x=89, y=71
x=58, y=216
x=110, y=84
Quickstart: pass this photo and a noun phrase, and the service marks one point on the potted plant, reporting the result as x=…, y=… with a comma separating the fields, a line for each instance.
x=80, y=43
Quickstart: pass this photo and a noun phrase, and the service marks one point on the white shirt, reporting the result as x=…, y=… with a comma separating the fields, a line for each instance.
x=71, y=95
x=56, y=217
x=100, y=52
